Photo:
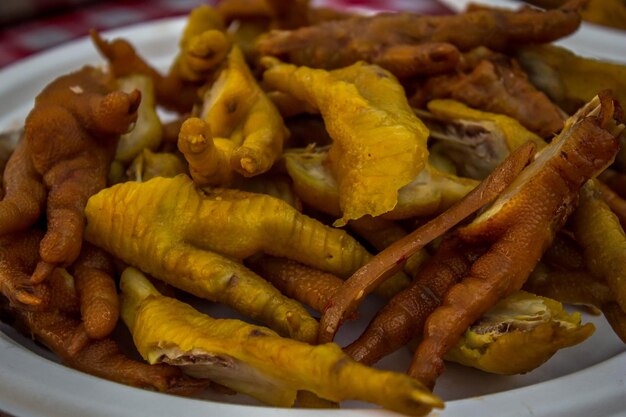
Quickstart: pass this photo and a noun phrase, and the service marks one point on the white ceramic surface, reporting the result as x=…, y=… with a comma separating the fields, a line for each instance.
x=581, y=381
x=590, y=40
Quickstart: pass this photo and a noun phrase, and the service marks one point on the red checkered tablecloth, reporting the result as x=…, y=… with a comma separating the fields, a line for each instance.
x=42, y=27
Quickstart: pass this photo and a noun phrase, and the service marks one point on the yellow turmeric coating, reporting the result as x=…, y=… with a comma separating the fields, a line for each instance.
x=379, y=144
x=603, y=240
x=171, y=230
x=430, y=192
x=203, y=45
x=208, y=157
x=519, y=334
x=148, y=165
x=254, y=360
x=245, y=126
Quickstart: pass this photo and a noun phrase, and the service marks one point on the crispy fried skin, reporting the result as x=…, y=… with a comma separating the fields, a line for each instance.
x=520, y=226
x=394, y=38
x=495, y=83
x=70, y=136
x=93, y=274
x=352, y=292
x=403, y=317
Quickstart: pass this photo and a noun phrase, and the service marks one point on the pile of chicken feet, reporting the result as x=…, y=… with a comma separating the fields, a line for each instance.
x=459, y=167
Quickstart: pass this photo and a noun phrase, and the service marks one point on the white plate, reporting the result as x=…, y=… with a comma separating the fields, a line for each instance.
x=590, y=40
x=581, y=381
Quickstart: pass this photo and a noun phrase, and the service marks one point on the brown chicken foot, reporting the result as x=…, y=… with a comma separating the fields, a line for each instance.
x=24, y=194
x=404, y=315
x=18, y=256
x=347, y=299
x=70, y=137
x=308, y=285
x=172, y=92
x=520, y=225
x=495, y=83
x=340, y=43
x=104, y=358
x=99, y=304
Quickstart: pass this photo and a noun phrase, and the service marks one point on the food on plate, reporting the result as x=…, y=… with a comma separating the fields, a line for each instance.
x=148, y=165
x=519, y=226
x=294, y=162
x=20, y=249
x=239, y=130
x=382, y=233
x=57, y=325
x=93, y=274
x=602, y=238
x=24, y=196
x=254, y=359
x=364, y=108
x=350, y=295
x=310, y=286
x=402, y=319
x=175, y=232
x=518, y=334
x=396, y=39
x=69, y=140
x=476, y=141
x=495, y=83
x=430, y=192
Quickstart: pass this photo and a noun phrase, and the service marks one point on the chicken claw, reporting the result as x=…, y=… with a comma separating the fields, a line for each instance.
x=379, y=144
x=396, y=38
x=176, y=232
x=249, y=131
x=255, y=360
x=69, y=140
x=519, y=226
